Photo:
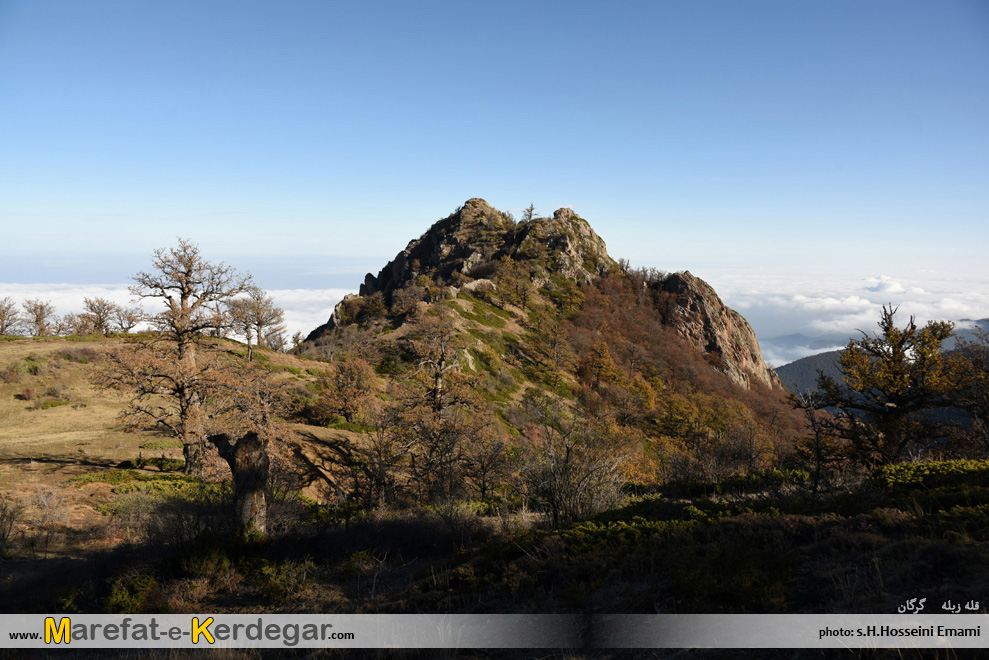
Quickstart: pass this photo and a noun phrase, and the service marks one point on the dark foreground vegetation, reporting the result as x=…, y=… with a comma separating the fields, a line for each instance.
x=516, y=432
x=754, y=545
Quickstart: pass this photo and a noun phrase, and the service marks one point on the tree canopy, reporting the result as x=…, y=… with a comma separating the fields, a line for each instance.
x=890, y=382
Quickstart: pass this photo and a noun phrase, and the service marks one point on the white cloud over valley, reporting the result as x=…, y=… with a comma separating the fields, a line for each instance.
x=305, y=309
x=824, y=303
x=820, y=303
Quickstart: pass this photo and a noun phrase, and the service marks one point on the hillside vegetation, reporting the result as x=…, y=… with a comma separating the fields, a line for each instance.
x=506, y=420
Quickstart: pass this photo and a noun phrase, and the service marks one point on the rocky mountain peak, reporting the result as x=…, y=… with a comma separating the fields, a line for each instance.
x=465, y=251
x=467, y=245
x=566, y=244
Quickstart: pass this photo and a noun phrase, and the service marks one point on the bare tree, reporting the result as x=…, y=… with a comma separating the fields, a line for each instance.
x=126, y=319
x=821, y=450
x=249, y=400
x=349, y=391
x=74, y=324
x=10, y=319
x=437, y=344
x=485, y=461
x=529, y=213
x=257, y=315
x=250, y=465
x=274, y=340
x=438, y=439
x=99, y=314
x=527, y=216
x=441, y=413
x=39, y=317
x=240, y=322
x=574, y=467
x=169, y=383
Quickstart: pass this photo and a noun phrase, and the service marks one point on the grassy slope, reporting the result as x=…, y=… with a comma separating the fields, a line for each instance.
x=914, y=533
x=42, y=448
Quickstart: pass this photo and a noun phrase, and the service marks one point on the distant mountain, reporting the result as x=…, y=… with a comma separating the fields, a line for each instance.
x=966, y=330
x=800, y=375
x=788, y=348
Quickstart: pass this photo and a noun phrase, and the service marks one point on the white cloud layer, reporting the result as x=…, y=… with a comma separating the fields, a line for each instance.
x=813, y=303
x=819, y=302
x=305, y=309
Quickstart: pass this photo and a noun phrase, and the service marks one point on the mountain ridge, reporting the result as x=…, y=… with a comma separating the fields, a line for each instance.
x=476, y=243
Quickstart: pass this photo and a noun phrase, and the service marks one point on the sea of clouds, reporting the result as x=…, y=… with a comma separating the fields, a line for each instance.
x=827, y=307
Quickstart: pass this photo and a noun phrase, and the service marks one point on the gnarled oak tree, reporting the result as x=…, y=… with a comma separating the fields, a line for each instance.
x=170, y=381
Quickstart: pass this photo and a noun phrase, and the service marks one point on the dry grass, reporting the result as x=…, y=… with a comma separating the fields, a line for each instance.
x=41, y=448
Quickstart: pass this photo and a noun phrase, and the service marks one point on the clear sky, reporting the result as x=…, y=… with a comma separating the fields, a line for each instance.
x=309, y=141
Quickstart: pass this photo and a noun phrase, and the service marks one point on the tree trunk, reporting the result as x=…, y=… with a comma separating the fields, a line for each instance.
x=196, y=461
x=249, y=463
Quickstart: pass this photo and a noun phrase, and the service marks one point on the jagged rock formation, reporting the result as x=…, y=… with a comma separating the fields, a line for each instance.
x=463, y=251
x=468, y=244
x=699, y=315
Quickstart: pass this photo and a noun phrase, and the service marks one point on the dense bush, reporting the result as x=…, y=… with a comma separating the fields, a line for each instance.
x=932, y=474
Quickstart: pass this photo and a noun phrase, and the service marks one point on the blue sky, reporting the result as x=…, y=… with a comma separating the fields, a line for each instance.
x=309, y=141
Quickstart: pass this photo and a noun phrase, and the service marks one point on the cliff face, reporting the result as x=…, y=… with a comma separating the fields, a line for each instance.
x=699, y=315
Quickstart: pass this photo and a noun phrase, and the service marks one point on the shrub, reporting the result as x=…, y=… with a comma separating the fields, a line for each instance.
x=52, y=404
x=162, y=444
x=59, y=391
x=620, y=537
x=903, y=478
x=276, y=581
x=27, y=394
x=483, y=313
x=128, y=594
x=163, y=463
x=187, y=513
x=10, y=511
x=36, y=365
x=338, y=422
x=206, y=558
x=389, y=366
x=80, y=354
x=112, y=477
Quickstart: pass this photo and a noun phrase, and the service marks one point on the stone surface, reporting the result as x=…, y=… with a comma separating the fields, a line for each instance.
x=465, y=247
x=699, y=315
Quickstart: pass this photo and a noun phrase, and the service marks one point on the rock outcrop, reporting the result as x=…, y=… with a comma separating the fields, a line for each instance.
x=464, y=250
x=468, y=244
x=699, y=315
